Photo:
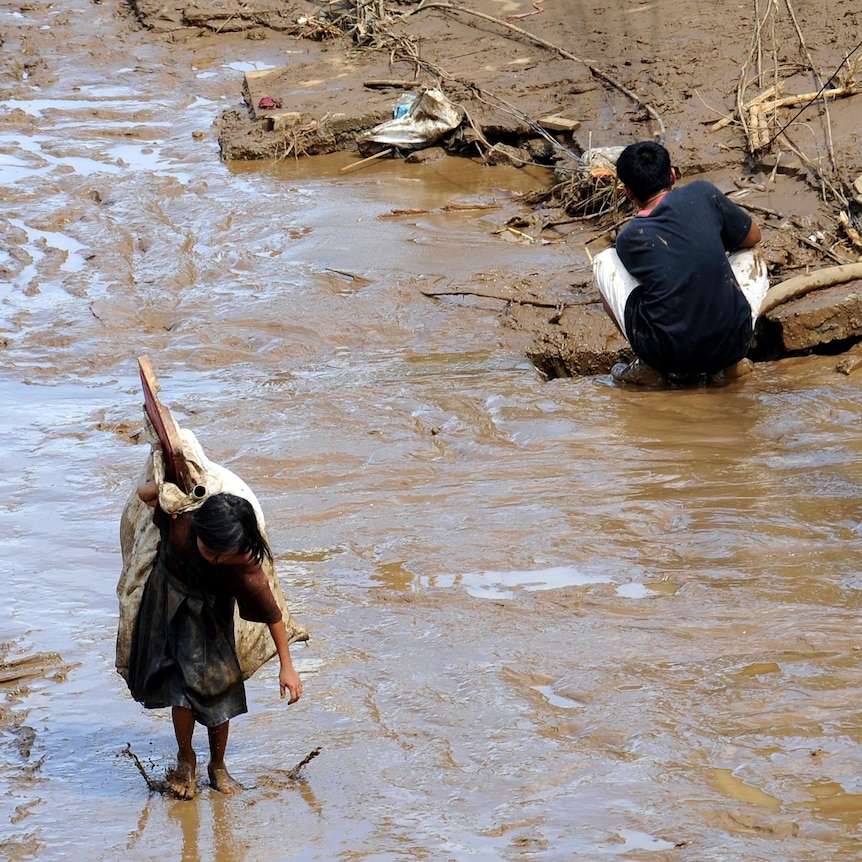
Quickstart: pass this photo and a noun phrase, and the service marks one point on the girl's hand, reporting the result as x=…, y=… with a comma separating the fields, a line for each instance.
x=288, y=680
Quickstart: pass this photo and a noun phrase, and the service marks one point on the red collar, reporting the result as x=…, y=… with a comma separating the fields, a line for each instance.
x=656, y=202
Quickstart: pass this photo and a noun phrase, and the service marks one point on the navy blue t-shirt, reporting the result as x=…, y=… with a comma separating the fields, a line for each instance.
x=688, y=314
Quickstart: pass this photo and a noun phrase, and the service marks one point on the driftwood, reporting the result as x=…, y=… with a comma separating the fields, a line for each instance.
x=800, y=285
x=517, y=300
x=760, y=112
x=176, y=469
x=826, y=252
x=757, y=100
x=759, y=116
x=390, y=84
x=768, y=101
x=850, y=229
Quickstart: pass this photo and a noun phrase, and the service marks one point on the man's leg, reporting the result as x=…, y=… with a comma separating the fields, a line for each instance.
x=615, y=283
x=753, y=279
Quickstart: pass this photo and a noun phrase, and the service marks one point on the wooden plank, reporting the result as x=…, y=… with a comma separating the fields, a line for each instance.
x=557, y=123
x=176, y=469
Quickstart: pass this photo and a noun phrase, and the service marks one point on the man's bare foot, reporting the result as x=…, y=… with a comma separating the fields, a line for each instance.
x=222, y=780
x=182, y=780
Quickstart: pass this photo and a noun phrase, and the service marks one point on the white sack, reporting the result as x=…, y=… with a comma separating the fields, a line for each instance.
x=139, y=540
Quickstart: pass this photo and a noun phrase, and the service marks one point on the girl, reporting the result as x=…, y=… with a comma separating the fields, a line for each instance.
x=183, y=653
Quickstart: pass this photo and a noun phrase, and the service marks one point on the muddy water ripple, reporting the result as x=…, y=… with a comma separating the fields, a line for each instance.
x=549, y=620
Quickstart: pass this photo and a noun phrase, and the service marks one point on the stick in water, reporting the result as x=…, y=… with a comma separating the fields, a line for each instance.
x=361, y=162
x=154, y=785
x=294, y=773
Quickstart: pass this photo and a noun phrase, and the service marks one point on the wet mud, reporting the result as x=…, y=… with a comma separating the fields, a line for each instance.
x=549, y=618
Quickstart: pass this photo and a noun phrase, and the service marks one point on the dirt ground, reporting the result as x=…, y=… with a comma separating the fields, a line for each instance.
x=612, y=74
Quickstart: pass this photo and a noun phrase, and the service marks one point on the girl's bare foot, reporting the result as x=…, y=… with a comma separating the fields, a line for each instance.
x=182, y=780
x=222, y=780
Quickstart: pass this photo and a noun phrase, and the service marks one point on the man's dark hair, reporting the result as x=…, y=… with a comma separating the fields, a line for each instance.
x=644, y=168
x=226, y=522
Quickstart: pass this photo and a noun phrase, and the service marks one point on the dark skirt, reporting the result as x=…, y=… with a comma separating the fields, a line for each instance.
x=183, y=651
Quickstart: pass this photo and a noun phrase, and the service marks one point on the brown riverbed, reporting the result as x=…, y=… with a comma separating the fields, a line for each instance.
x=549, y=619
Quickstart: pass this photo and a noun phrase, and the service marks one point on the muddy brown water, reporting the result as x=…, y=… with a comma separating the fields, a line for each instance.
x=550, y=620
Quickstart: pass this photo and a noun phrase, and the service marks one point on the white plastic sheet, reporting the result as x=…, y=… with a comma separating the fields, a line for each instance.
x=430, y=116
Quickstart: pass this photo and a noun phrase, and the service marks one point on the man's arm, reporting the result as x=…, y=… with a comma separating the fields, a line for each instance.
x=752, y=237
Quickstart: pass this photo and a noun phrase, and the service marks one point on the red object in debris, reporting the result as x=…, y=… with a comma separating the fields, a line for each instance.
x=267, y=103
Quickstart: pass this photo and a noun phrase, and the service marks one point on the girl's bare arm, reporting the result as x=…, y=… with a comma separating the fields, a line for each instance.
x=288, y=678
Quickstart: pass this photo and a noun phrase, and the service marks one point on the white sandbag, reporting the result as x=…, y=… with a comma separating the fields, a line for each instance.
x=139, y=541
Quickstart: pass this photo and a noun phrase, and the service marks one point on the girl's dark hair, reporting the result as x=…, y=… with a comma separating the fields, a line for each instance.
x=226, y=522
x=644, y=168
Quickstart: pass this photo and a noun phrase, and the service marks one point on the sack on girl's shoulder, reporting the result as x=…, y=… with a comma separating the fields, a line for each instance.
x=139, y=542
